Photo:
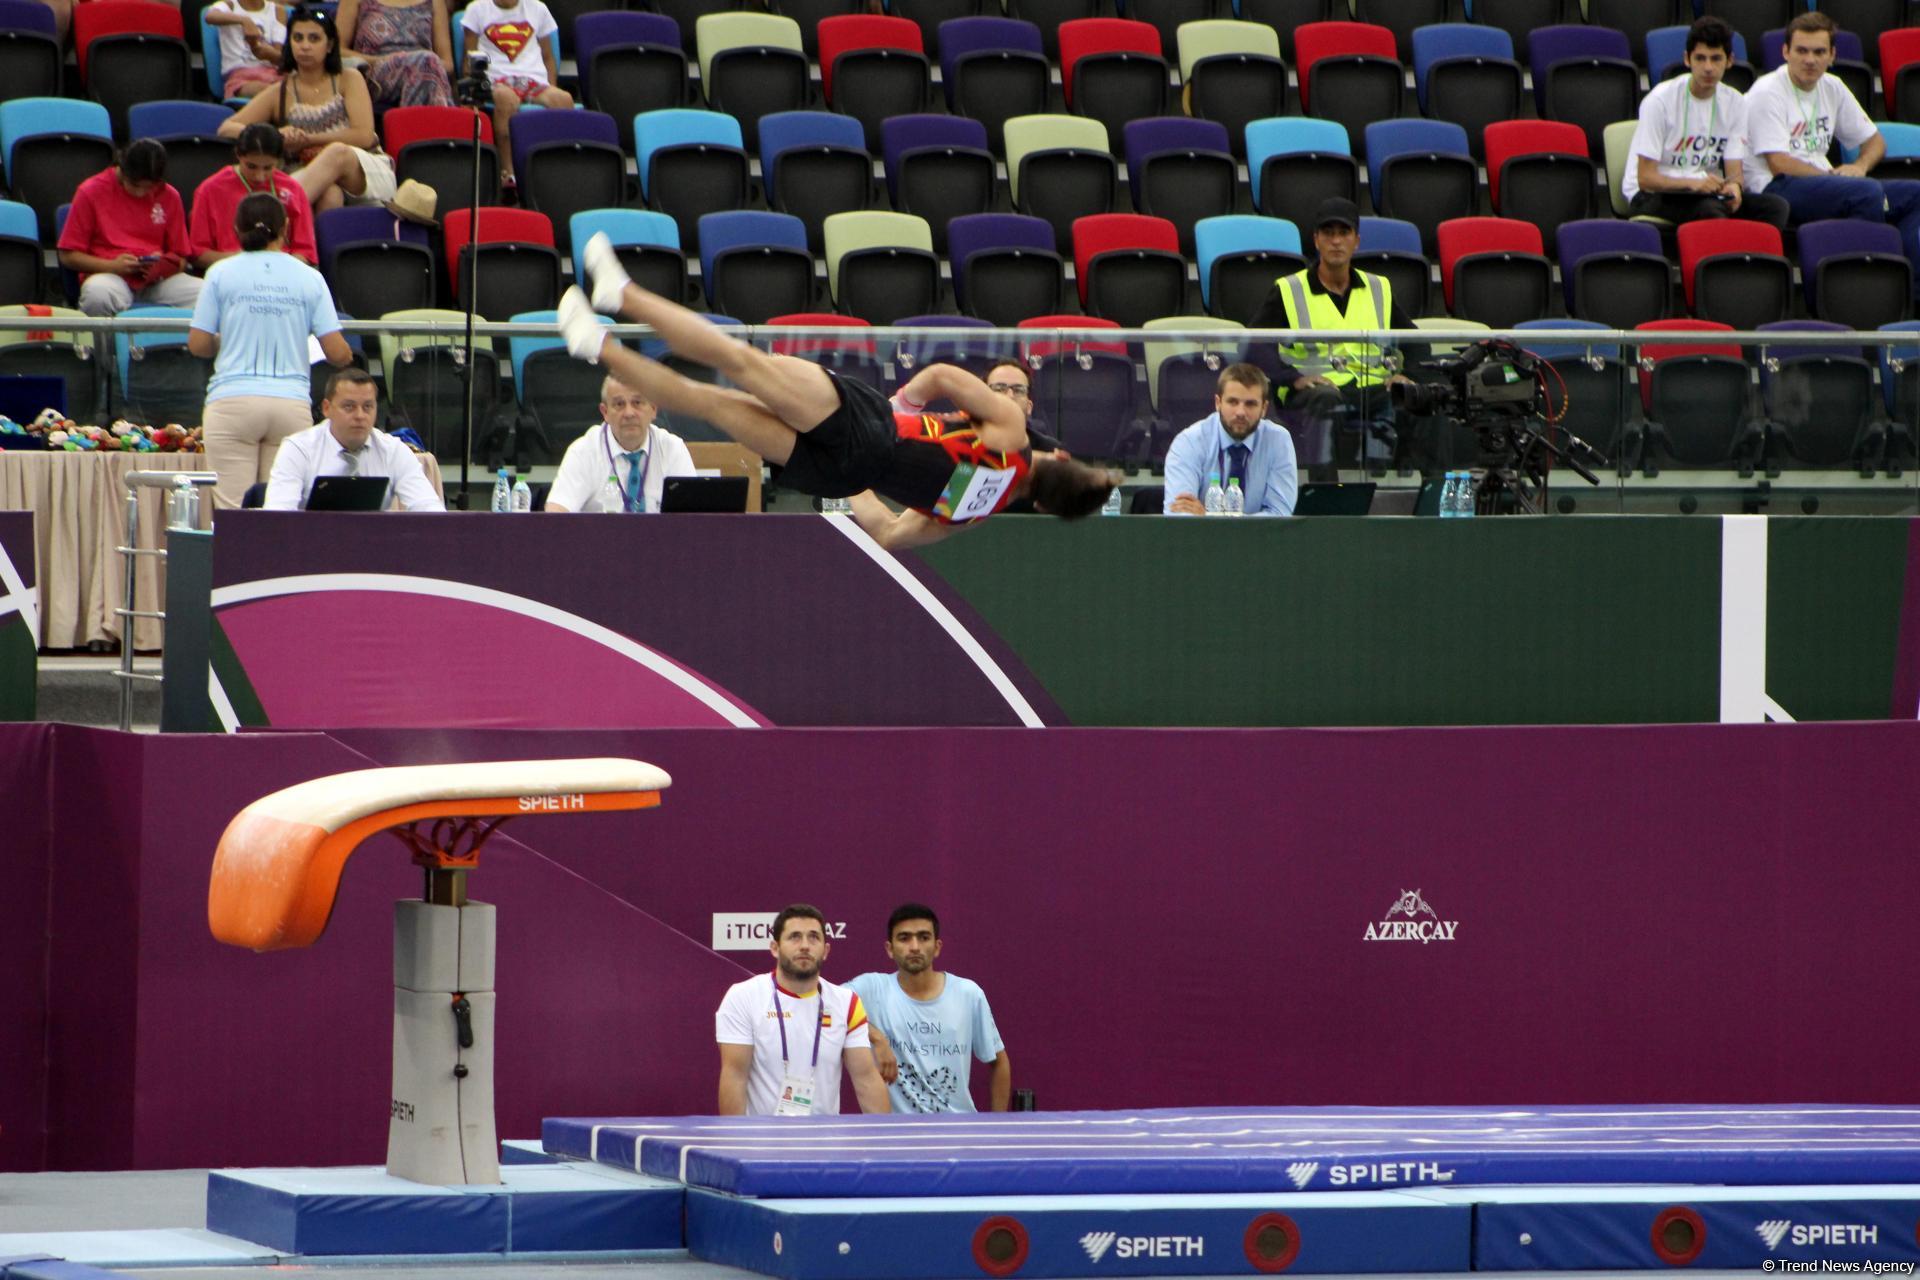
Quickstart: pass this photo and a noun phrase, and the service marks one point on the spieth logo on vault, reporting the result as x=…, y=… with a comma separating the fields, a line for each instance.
x=1393, y=1173
x=1412, y=929
x=1812, y=1233
x=1096, y=1243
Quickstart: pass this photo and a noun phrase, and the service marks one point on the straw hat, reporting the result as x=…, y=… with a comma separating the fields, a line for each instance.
x=416, y=202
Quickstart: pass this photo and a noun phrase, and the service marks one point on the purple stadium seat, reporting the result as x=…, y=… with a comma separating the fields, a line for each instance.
x=993, y=69
x=1855, y=273
x=938, y=167
x=1627, y=280
x=618, y=28
x=1180, y=169
x=1018, y=270
x=1819, y=402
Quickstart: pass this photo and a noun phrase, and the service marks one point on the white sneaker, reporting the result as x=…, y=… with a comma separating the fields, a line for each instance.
x=580, y=327
x=609, y=277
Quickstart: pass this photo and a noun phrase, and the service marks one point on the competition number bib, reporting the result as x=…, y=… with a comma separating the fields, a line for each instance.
x=980, y=490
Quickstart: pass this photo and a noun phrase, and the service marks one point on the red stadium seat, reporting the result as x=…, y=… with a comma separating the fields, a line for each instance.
x=403, y=126
x=1462, y=237
x=1040, y=350
x=1509, y=139
x=1655, y=354
x=1317, y=40
x=1711, y=237
x=1129, y=267
x=855, y=32
x=1899, y=52
x=497, y=226
x=1087, y=37
x=99, y=18
x=821, y=320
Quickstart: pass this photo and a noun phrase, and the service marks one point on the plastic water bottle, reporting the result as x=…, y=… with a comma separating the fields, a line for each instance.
x=1464, y=500
x=1113, y=503
x=522, y=496
x=836, y=507
x=1236, y=501
x=1450, y=496
x=503, y=492
x=1216, y=499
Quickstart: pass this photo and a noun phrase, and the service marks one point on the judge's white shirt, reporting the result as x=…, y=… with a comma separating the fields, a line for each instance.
x=593, y=474
x=307, y=455
x=754, y=1012
x=1687, y=136
x=1782, y=118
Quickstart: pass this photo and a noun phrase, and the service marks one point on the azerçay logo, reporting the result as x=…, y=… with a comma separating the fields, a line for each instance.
x=1422, y=922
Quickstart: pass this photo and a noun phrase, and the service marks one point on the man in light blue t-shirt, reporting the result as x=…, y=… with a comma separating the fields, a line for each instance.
x=928, y=1026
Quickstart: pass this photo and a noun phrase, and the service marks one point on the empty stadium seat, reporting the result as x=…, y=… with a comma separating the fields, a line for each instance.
x=1900, y=72
x=1168, y=16
x=20, y=258
x=1585, y=76
x=1296, y=162
x=881, y=266
x=1059, y=168
x=630, y=63
x=1233, y=73
x=67, y=354
x=1613, y=272
x=1695, y=397
x=130, y=51
x=993, y=70
x=1240, y=256
x=1855, y=273
x=754, y=265
x=1538, y=171
x=1421, y=171
x=1595, y=398
x=1112, y=70
x=1493, y=270
x=30, y=55
x=566, y=162
x=1288, y=16
x=814, y=164
x=1819, y=402
x=1466, y=74
x=1128, y=267
x=1519, y=18
x=1734, y=271
x=872, y=67
x=751, y=65
x=429, y=377
x=160, y=380
x=1903, y=152
x=518, y=268
x=1050, y=15
x=938, y=167
x=1349, y=72
x=928, y=15
x=1006, y=267
x=700, y=160
x=1181, y=170
x=1086, y=385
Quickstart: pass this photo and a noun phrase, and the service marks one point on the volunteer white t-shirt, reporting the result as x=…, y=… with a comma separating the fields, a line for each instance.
x=593, y=475
x=754, y=1012
x=1687, y=136
x=1781, y=118
x=510, y=38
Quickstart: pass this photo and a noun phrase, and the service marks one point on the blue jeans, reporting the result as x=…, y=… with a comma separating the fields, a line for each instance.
x=1832, y=196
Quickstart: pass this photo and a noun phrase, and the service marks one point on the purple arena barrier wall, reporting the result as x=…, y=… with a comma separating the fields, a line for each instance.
x=1647, y=914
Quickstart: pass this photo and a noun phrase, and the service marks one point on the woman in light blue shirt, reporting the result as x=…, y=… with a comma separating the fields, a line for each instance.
x=254, y=319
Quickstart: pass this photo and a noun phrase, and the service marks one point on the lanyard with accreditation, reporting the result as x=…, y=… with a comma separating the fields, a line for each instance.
x=796, y=1094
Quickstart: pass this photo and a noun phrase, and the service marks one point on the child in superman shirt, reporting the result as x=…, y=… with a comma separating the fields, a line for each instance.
x=513, y=39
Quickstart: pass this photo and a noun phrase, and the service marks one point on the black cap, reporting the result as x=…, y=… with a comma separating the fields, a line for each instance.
x=1336, y=209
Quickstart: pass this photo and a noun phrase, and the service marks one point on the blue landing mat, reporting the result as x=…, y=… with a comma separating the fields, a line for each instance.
x=536, y=1209
x=1035, y=1236
x=1231, y=1150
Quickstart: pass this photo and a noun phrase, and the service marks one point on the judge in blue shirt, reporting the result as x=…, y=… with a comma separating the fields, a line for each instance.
x=1236, y=442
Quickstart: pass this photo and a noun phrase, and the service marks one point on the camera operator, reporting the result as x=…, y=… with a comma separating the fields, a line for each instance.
x=1326, y=381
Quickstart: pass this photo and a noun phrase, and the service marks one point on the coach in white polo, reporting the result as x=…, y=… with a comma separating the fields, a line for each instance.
x=785, y=1035
x=622, y=464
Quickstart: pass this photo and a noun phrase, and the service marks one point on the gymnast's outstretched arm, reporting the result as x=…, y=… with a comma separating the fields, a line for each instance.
x=896, y=532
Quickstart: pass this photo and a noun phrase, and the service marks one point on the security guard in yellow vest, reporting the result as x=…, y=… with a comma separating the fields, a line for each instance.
x=1324, y=380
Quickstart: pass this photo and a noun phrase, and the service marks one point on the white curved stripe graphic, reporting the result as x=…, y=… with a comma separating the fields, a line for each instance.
x=405, y=584
x=917, y=591
x=16, y=594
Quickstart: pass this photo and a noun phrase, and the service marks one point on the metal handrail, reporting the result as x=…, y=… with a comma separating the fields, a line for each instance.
x=177, y=482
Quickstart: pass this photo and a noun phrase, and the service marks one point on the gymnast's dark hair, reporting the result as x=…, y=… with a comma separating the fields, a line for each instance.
x=913, y=910
x=798, y=911
x=259, y=220
x=144, y=160
x=259, y=140
x=321, y=18
x=1069, y=488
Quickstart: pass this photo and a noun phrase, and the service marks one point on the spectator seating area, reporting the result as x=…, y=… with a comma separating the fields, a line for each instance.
x=1055, y=160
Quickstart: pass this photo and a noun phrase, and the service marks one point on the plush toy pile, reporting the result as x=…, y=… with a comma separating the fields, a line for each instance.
x=52, y=431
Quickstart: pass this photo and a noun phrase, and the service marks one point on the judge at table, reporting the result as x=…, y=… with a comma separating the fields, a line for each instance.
x=623, y=463
x=348, y=444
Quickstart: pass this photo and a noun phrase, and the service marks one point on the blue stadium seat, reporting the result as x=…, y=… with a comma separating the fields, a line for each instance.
x=1444, y=41
x=1392, y=248
x=1295, y=162
x=51, y=146
x=1247, y=252
x=707, y=159
x=1422, y=171
x=648, y=245
x=756, y=265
